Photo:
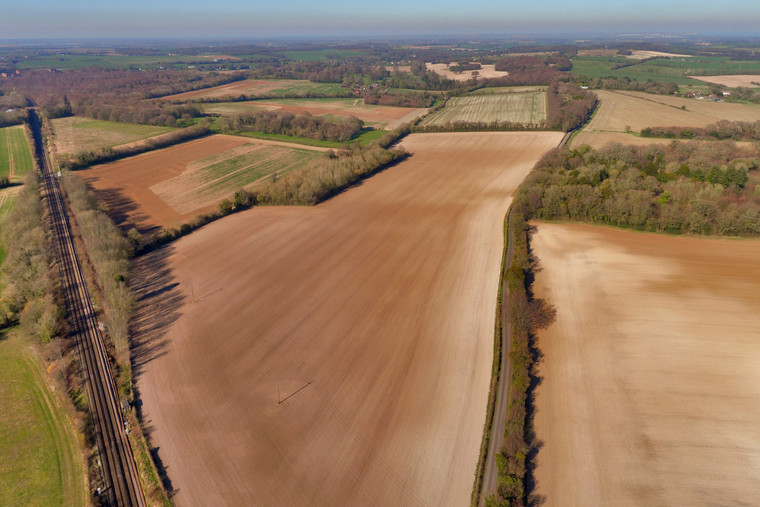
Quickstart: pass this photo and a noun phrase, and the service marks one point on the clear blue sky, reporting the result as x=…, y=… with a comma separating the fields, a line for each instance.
x=256, y=18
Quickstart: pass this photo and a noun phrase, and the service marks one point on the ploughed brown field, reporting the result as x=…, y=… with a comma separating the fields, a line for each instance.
x=370, y=317
x=651, y=387
x=170, y=186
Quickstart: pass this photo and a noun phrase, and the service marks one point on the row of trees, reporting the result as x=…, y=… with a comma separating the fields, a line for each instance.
x=302, y=125
x=723, y=129
x=697, y=188
x=526, y=315
x=567, y=105
x=28, y=296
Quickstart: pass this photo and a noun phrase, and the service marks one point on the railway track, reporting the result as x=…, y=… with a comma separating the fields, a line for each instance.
x=121, y=484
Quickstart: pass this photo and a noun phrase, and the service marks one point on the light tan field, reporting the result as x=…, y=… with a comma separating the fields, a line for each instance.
x=651, y=388
x=639, y=54
x=732, y=81
x=371, y=313
x=384, y=117
x=486, y=72
x=248, y=87
x=167, y=187
x=600, y=139
x=77, y=133
x=638, y=110
x=526, y=107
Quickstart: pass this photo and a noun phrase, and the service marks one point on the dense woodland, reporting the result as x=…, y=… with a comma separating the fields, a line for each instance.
x=699, y=188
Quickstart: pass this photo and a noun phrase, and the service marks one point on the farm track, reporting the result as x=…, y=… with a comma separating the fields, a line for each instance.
x=120, y=478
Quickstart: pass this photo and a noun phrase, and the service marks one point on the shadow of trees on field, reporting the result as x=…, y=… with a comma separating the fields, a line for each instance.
x=125, y=212
x=158, y=301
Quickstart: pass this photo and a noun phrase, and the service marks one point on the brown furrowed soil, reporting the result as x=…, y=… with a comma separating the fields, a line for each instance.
x=137, y=189
x=370, y=317
x=732, y=81
x=651, y=389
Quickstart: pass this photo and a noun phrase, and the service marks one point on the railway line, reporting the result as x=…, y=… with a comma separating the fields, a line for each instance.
x=121, y=484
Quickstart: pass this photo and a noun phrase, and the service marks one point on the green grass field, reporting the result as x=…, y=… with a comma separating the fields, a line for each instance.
x=521, y=107
x=321, y=54
x=676, y=70
x=76, y=133
x=15, y=154
x=40, y=463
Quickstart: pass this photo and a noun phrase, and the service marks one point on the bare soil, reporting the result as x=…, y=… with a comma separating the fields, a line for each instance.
x=370, y=317
x=125, y=185
x=651, y=390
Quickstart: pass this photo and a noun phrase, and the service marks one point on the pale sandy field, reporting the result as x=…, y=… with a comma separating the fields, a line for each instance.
x=372, y=314
x=488, y=71
x=651, y=386
x=732, y=81
x=619, y=110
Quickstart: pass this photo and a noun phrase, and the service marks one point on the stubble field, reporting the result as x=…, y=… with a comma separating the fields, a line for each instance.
x=76, y=133
x=370, y=317
x=169, y=186
x=620, y=111
x=383, y=117
x=520, y=107
x=259, y=87
x=651, y=391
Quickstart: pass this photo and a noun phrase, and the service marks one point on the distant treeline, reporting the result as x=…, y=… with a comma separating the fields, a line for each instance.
x=700, y=188
x=114, y=95
x=289, y=124
x=723, y=129
x=103, y=155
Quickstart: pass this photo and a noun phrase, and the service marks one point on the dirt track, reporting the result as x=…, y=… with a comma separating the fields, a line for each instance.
x=374, y=312
x=651, y=387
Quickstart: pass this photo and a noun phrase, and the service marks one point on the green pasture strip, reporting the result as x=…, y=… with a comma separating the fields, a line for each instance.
x=13, y=143
x=39, y=460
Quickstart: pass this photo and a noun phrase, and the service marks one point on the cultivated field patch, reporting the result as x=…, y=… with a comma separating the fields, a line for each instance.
x=521, y=107
x=283, y=87
x=41, y=462
x=650, y=391
x=211, y=179
x=76, y=133
x=733, y=81
x=623, y=111
x=169, y=186
x=15, y=154
x=352, y=341
x=486, y=71
x=383, y=117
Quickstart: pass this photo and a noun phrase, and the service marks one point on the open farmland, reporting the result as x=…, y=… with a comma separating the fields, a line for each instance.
x=521, y=107
x=253, y=87
x=733, y=81
x=41, y=464
x=651, y=391
x=486, y=71
x=621, y=110
x=169, y=186
x=15, y=155
x=383, y=117
x=76, y=133
x=370, y=317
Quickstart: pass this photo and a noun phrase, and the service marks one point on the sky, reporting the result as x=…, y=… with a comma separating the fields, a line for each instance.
x=260, y=19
